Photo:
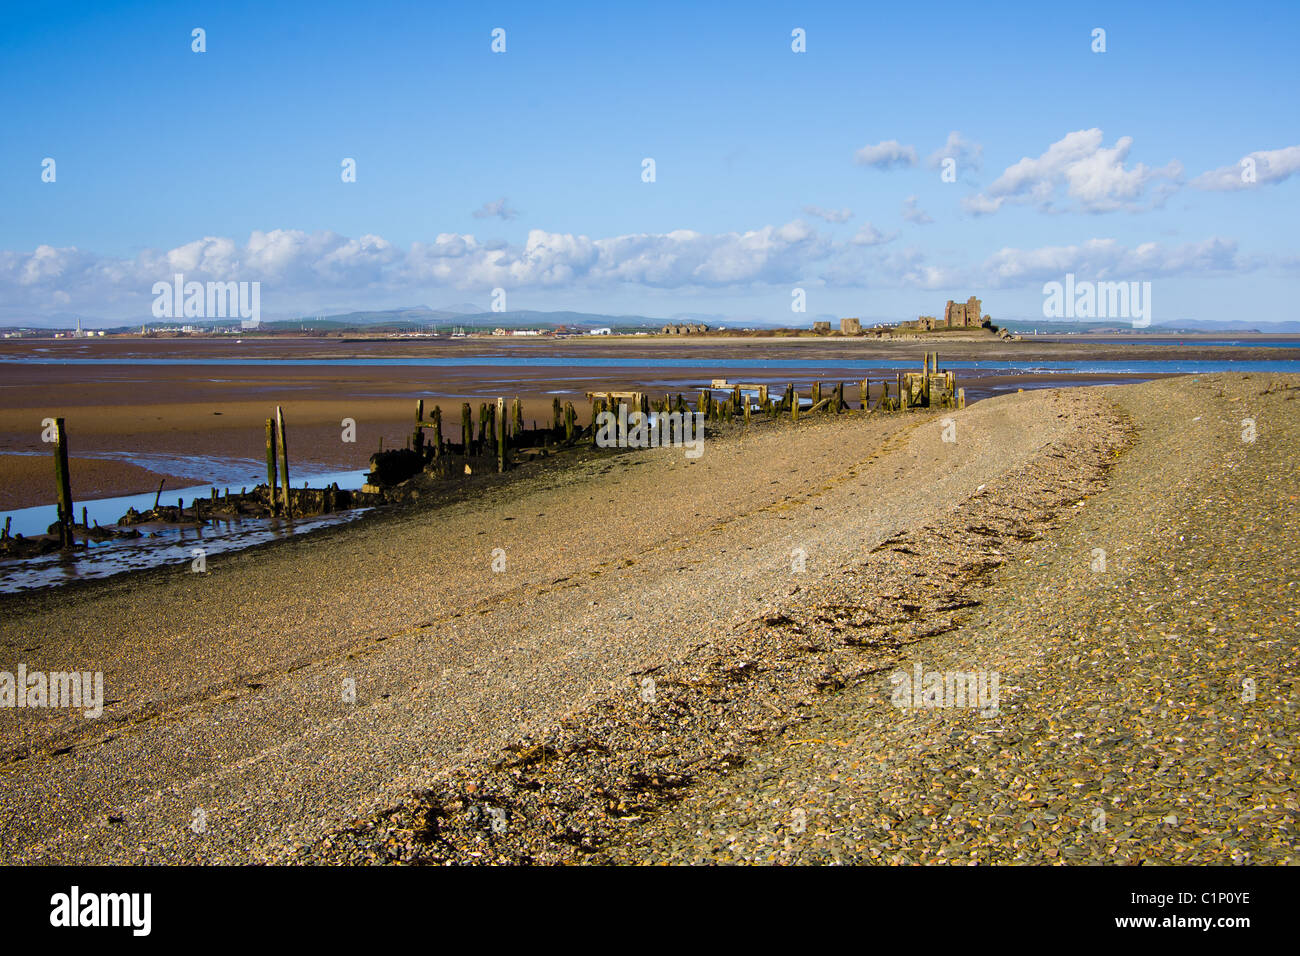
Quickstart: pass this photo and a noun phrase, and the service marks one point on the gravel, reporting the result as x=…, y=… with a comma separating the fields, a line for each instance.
x=652, y=681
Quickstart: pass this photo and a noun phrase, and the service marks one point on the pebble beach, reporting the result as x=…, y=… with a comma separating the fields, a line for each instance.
x=695, y=661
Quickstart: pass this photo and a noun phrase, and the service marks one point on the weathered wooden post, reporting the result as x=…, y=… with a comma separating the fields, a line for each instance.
x=270, y=437
x=794, y=404
x=437, y=432
x=501, y=434
x=284, y=461
x=838, y=402
x=864, y=394
x=961, y=398
x=466, y=428
x=557, y=415
x=485, y=433
x=570, y=419
x=64, y=480
x=762, y=396
x=517, y=417
x=417, y=436
x=816, y=393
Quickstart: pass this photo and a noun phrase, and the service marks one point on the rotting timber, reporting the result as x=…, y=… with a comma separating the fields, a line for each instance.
x=495, y=442
x=500, y=438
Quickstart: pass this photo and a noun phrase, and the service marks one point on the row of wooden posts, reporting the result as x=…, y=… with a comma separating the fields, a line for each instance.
x=496, y=434
x=500, y=430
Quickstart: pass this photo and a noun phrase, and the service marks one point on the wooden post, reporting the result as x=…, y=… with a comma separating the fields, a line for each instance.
x=898, y=383
x=794, y=404
x=838, y=402
x=961, y=398
x=284, y=461
x=4, y=536
x=270, y=436
x=517, y=414
x=417, y=436
x=816, y=392
x=570, y=419
x=501, y=434
x=437, y=431
x=466, y=428
x=64, y=480
x=485, y=433
x=864, y=394
x=557, y=414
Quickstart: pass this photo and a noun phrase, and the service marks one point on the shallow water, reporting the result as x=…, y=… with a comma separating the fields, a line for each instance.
x=107, y=511
x=1040, y=367
x=157, y=547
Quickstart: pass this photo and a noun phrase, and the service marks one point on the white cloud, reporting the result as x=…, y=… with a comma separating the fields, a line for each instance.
x=1093, y=175
x=869, y=235
x=913, y=213
x=830, y=215
x=886, y=154
x=300, y=270
x=292, y=264
x=966, y=153
x=1108, y=260
x=1269, y=166
x=499, y=208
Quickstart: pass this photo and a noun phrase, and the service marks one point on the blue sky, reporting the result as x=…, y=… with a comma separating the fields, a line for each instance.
x=774, y=169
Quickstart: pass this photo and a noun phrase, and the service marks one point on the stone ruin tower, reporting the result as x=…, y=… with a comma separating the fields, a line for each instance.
x=957, y=315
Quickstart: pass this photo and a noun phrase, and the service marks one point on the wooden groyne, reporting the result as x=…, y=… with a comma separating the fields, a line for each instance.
x=494, y=441
x=499, y=438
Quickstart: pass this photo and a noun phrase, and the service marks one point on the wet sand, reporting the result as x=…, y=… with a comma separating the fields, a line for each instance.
x=219, y=410
x=26, y=480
